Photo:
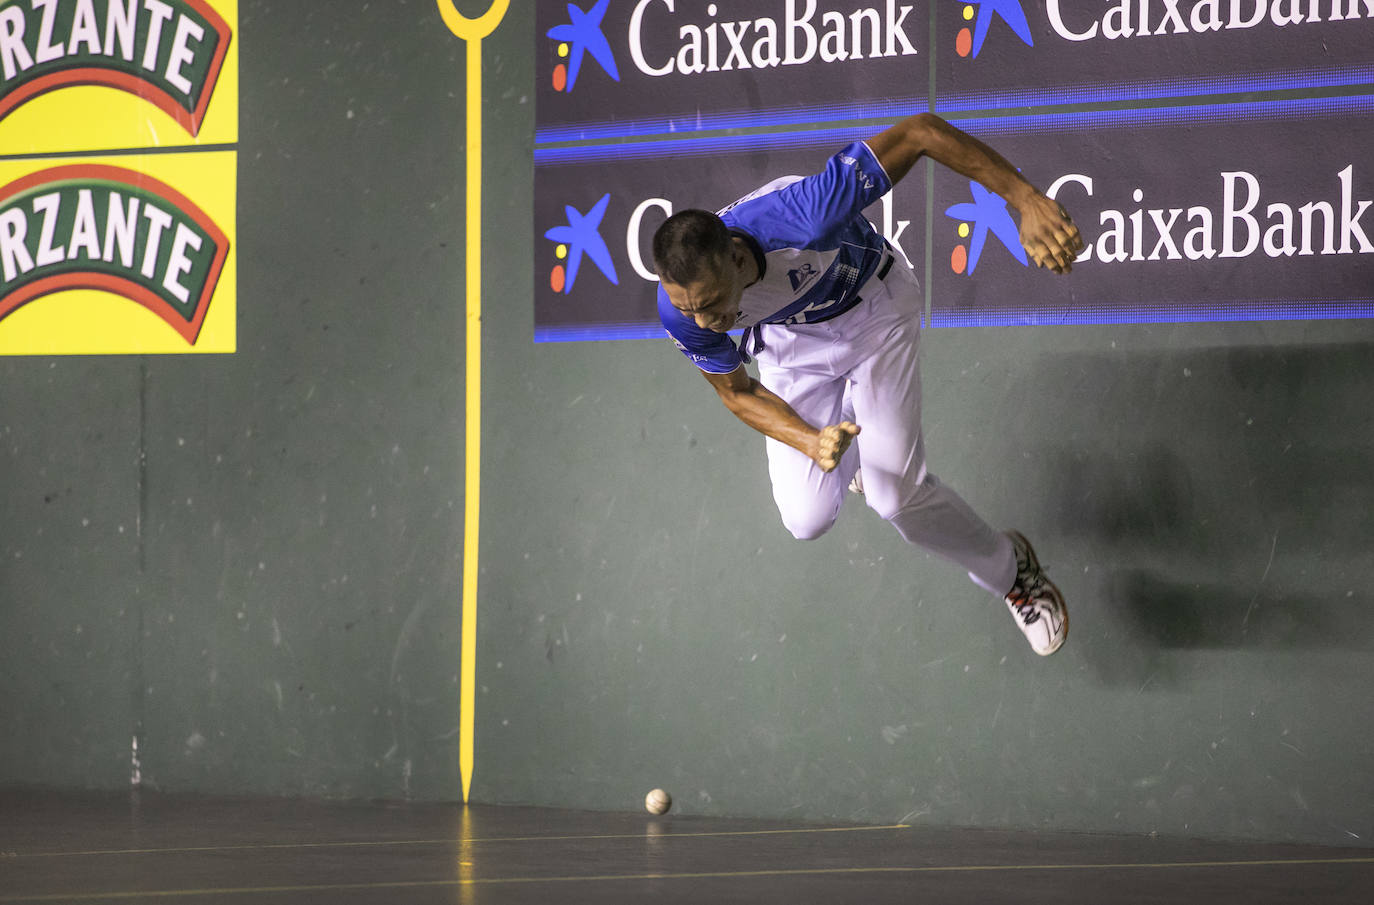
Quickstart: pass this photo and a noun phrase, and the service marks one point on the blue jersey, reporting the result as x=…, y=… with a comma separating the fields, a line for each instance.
x=814, y=249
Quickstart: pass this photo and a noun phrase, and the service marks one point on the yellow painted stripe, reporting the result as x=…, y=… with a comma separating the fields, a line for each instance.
x=472, y=456
x=695, y=875
x=472, y=31
x=454, y=840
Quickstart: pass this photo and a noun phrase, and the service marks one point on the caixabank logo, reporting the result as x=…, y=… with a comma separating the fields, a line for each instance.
x=107, y=231
x=1240, y=221
x=1234, y=224
x=169, y=52
x=593, y=262
x=582, y=235
x=1236, y=219
x=1158, y=18
x=1004, y=24
x=579, y=37
x=654, y=56
x=978, y=18
x=578, y=237
x=985, y=215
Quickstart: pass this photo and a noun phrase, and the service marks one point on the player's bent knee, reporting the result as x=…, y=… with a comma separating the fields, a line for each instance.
x=808, y=531
x=807, y=515
x=808, y=525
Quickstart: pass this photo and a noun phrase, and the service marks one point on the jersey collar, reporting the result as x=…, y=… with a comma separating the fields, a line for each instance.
x=754, y=247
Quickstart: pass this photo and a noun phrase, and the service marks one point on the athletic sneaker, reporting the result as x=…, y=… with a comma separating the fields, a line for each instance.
x=1034, y=601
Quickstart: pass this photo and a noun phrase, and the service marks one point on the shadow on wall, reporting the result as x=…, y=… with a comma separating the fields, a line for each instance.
x=1226, y=497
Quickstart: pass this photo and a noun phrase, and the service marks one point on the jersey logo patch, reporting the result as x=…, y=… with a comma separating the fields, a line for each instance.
x=864, y=179
x=802, y=276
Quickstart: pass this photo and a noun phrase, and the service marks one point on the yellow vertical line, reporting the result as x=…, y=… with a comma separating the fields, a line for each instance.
x=472, y=458
x=472, y=31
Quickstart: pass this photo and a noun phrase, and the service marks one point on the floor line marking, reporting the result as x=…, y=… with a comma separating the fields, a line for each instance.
x=695, y=875
x=453, y=840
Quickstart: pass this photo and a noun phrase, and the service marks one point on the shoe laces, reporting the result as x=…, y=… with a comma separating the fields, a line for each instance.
x=1023, y=597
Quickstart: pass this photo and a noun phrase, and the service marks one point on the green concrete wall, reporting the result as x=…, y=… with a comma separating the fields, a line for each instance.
x=252, y=562
x=1200, y=492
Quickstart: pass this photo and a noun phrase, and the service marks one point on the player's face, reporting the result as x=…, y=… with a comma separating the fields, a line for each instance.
x=713, y=300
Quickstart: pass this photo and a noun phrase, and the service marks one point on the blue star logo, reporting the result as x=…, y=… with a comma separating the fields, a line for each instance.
x=1011, y=13
x=582, y=237
x=988, y=214
x=583, y=32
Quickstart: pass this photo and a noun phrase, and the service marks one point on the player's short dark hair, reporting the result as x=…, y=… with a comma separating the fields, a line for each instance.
x=687, y=243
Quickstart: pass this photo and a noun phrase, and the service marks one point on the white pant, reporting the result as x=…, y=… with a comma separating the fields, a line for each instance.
x=863, y=366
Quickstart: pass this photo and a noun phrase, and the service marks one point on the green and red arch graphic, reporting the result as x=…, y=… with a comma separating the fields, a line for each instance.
x=168, y=52
x=94, y=226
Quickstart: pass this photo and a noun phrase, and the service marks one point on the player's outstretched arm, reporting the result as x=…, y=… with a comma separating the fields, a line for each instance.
x=1047, y=231
x=768, y=413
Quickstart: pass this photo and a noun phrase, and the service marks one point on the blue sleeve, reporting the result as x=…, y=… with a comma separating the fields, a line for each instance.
x=713, y=352
x=812, y=209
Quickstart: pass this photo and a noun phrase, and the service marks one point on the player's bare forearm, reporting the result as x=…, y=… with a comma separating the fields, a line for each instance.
x=1047, y=231
x=927, y=135
x=764, y=411
x=769, y=414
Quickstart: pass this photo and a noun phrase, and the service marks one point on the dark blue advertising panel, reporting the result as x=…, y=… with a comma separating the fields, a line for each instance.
x=1020, y=53
x=610, y=67
x=1182, y=222
x=1214, y=152
x=594, y=227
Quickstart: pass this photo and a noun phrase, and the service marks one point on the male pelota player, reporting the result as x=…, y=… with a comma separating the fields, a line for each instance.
x=833, y=317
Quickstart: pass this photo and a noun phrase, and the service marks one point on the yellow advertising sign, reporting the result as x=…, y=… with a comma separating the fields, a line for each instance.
x=104, y=253
x=93, y=75
x=118, y=254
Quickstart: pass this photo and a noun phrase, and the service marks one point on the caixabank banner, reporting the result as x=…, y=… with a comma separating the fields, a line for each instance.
x=1211, y=150
x=594, y=276
x=742, y=85
x=1260, y=219
x=128, y=252
x=608, y=61
x=1019, y=53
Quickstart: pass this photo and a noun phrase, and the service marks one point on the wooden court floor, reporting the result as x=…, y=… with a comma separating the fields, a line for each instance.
x=146, y=847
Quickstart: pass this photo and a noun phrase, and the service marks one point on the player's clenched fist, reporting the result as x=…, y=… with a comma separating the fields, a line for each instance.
x=1050, y=235
x=831, y=443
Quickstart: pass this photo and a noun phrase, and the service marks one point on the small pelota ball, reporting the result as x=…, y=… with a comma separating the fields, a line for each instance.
x=658, y=802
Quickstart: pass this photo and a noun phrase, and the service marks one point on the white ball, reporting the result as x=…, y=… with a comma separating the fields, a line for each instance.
x=658, y=802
